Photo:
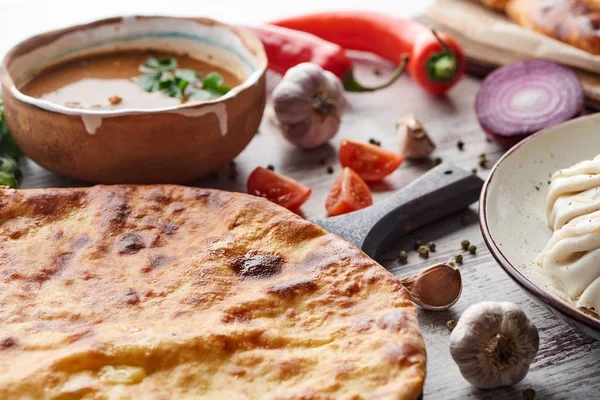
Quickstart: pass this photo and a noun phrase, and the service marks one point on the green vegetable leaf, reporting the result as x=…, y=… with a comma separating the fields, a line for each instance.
x=214, y=81
x=182, y=83
x=204, y=94
x=173, y=87
x=9, y=180
x=150, y=81
x=3, y=127
x=8, y=147
x=161, y=64
x=185, y=74
x=8, y=165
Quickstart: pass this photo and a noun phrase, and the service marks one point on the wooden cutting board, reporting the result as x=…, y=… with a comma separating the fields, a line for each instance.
x=483, y=57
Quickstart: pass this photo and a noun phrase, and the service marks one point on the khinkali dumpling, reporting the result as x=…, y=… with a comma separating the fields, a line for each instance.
x=573, y=191
x=571, y=260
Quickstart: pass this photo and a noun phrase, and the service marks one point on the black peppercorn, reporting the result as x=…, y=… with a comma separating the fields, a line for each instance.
x=482, y=160
x=528, y=394
x=402, y=257
x=375, y=142
x=451, y=325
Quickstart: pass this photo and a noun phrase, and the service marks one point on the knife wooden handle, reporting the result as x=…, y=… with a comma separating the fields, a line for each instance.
x=441, y=191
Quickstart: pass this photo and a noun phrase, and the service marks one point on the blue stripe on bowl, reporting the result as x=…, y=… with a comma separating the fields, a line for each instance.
x=130, y=38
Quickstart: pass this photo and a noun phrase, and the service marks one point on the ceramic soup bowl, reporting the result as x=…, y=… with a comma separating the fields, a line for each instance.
x=513, y=203
x=150, y=145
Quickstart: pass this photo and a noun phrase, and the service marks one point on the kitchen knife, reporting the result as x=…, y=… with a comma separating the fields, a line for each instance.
x=444, y=190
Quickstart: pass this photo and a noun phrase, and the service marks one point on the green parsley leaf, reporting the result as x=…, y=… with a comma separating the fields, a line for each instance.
x=185, y=74
x=8, y=147
x=9, y=168
x=150, y=81
x=8, y=165
x=214, y=81
x=161, y=64
x=204, y=94
x=9, y=180
x=182, y=83
x=3, y=127
x=173, y=87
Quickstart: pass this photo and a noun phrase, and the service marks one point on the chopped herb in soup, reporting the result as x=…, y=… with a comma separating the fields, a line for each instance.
x=137, y=79
x=183, y=83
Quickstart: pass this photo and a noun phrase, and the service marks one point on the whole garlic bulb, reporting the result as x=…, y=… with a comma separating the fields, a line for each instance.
x=493, y=344
x=308, y=104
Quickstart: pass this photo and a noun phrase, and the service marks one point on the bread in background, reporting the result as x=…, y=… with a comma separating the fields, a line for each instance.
x=499, y=5
x=569, y=21
x=592, y=4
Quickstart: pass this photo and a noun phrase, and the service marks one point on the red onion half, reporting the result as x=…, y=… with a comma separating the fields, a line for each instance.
x=522, y=98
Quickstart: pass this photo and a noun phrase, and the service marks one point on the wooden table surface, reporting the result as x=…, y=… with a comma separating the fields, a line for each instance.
x=567, y=365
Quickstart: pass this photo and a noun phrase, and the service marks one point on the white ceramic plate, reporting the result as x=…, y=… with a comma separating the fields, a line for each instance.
x=512, y=207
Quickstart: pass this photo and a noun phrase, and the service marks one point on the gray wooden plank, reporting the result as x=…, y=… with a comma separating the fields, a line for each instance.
x=567, y=362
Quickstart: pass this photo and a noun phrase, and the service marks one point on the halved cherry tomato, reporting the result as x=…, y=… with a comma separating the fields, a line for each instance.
x=349, y=193
x=371, y=162
x=279, y=189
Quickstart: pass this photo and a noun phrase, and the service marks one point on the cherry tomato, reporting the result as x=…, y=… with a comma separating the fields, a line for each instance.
x=279, y=189
x=349, y=193
x=370, y=162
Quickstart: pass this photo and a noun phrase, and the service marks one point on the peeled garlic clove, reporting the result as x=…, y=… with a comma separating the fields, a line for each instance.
x=493, y=344
x=415, y=142
x=308, y=105
x=435, y=288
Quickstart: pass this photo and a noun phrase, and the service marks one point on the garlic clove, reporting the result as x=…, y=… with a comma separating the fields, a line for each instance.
x=415, y=142
x=308, y=104
x=435, y=288
x=493, y=344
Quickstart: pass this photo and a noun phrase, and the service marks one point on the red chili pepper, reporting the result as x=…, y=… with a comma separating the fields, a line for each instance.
x=287, y=48
x=436, y=60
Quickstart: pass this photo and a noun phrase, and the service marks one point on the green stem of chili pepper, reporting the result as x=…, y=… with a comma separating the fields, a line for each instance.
x=443, y=65
x=352, y=85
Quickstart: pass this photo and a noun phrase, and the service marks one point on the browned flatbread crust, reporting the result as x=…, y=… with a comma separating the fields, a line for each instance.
x=499, y=5
x=569, y=21
x=592, y=4
x=171, y=292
